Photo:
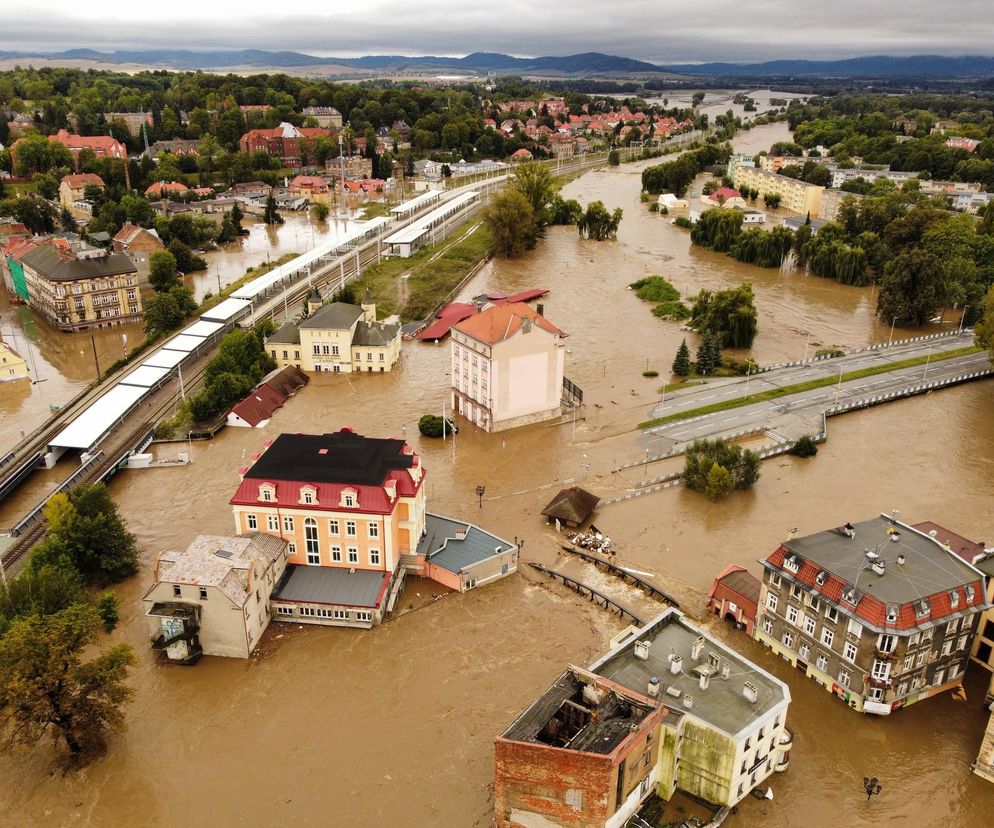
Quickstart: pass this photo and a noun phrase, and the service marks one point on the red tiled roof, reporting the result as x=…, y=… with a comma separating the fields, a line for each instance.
x=160, y=188
x=83, y=179
x=736, y=579
x=259, y=405
x=502, y=322
x=964, y=548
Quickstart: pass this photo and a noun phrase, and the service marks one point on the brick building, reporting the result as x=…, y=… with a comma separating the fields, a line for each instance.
x=734, y=596
x=879, y=613
x=283, y=142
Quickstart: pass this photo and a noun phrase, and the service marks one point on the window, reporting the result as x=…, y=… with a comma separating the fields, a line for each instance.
x=324, y=613
x=909, y=660
x=334, y=349
x=881, y=669
x=251, y=522
x=374, y=557
x=771, y=601
x=913, y=641
x=311, y=541
x=844, y=678
x=350, y=528
x=374, y=530
x=961, y=644
x=875, y=694
x=788, y=640
x=827, y=637
x=822, y=662
x=177, y=591
x=920, y=659
x=308, y=497
x=287, y=523
x=340, y=615
x=362, y=615
x=203, y=593
x=317, y=350
x=353, y=553
x=332, y=527
x=284, y=610
x=952, y=626
x=325, y=349
x=887, y=643
x=814, y=603
x=804, y=652
x=348, y=500
x=369, y=356
x=336, y=554
x=381, y=357
x=947, y=646
x=272, y=523
x=308, y=611
x=855, y=629
x=831, y=615
x=775, y=580
x=849, y=651
x=938, y=677
x=902, y=688
x=291, y=548
x=809, y=624
x=795, y=592
x=954, y=671
x=792, y=614
x=768, y=626
x=266, y=493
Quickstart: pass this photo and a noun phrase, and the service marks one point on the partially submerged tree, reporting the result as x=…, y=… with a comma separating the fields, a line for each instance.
x=716, y=467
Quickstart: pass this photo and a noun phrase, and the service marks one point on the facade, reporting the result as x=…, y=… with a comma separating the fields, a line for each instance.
x=507, y=367
x=665, y=709
x=12, y=365
x=879, y=613
x=166, y=189
x=103, y=146
x=462, y=556
x=132, y=120
x=337, y=337
x=73, y=187
x=213, y=599
x=724, y=197
x=177, y=147
x=795, y=195
x=137, y=244
x=78, y=288
x=326, y=116
x=267, y=397
x=734, y=597
x=832, y=200
x=351, y=508
x=312, y=187
x=283, y=142
x=840, y=175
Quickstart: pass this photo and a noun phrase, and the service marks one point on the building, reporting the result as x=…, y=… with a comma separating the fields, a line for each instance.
x=666, y=708
x=72, y=188
x=724, y=197
x=352, y=510
x=312, y=187
x=12, y=365
x=103, y=146
x=734, y=597
x=571, y=507
x=213, y=599
x=137, y=244
x=256, y=410
x=795, y=223
x=671, y=202
x=879, y=613
x=751, y=217
x=177, y=147
x=968, y=144
x=840, y=175
x=507, y=367
x=283, y=142
x=462, y=556
x=352, y=167
x=337, y=337
x=522, y=155
x=326, y=116
x=77, y=287
x=832, y=200
x=795, y=195
x=166, y=189
x=132, y=120
x=775, y=163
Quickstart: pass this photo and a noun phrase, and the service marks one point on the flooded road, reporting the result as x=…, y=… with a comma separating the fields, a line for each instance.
x=395, y=726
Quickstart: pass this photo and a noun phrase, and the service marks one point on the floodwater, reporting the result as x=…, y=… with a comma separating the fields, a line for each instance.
x=395, y=726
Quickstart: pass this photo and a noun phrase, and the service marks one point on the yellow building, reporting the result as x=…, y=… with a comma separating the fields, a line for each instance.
x=796, y=196
x=72, y=188
x=337, y=337
x=12, y=364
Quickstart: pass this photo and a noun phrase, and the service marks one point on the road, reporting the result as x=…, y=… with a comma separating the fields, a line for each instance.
x=796, y=414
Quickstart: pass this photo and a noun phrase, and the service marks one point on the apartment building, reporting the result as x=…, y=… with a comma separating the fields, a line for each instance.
x=283, y=142
x=667, y=708
x=795, y=195
x=77, y=287
x=326, y=116
x=132, y=120
x=831, y=202
x=879, y=613
x=12, y=365
x=507, y=367
x=73, y=187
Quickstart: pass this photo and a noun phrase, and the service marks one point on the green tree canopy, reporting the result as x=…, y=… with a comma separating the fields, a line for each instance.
x=511, y=221
x=728, y=314
x=162, y=271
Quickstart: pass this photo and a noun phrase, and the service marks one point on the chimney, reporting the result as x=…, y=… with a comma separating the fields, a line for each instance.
x=688, y=701
x=750, y=691
x=540, y=307
x=878, y=567
x=697, y=648
x=641, y=650
x=676, y=664
x=726, y=671
x=704, y=681
x=653, y=690
x=900, y=560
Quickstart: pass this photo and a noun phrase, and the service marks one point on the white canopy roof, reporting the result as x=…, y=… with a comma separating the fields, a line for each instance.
x=225, y=311
x=145, y=376
x=203, y=328
x=166, y=359
x=90, y=427
x=184, y=342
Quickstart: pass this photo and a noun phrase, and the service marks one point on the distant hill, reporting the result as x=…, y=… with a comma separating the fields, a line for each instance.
x=588, y=63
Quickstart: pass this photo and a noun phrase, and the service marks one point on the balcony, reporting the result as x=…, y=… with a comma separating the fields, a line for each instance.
x=885, y=655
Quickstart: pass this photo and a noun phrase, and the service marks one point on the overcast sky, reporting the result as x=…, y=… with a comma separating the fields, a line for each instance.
x=653, y=30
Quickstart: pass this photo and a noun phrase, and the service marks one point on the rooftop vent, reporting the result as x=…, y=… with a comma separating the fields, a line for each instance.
x=674, y=691
x=688, y=701
x=895, y=536
x=878, y=567
x=704, y=680
x=900, y=560
x=932, y=533
x=849, y=530
x=641, y=650
x=725, y=671
x=676, y=665
x=870, y=554
x=224, y=553
x=750, y=691
x=653, y=689
x=697, y=648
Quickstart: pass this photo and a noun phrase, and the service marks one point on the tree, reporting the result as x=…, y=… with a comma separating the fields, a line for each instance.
x=236, y=219
x=270, y=215
x=40, y=589
x=984, y=329
x=614, y=158
x=535, y=182
x=730, y=315
x=320, y=211
x=47, y=688
x=162, y=271
x=913, y=287
x=718, y=483
x=186, y=261
x=165, y=312
x=511, y=222
x=87, y=534
x=772, y=200
x=741, y=466
x=564, y=211
x=681, y=363
x=597, y=223
x=708, y=354
x=46, y=185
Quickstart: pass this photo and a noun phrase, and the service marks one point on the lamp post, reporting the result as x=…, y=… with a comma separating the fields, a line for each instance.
x=749, y=365
x=892, y=324
x=927, y=360
x=480, y=491
x=838, y=386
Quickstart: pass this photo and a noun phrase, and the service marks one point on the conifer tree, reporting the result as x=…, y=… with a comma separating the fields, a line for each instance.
x=681, y=363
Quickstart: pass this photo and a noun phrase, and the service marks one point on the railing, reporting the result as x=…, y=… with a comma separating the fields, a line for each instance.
x=625, y=575
x=594, y=595
x=35, y=514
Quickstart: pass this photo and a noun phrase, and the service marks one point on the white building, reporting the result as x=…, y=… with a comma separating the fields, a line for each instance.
x=507, y=367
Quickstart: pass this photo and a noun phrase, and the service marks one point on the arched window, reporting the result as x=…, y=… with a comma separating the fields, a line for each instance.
x=311, y=540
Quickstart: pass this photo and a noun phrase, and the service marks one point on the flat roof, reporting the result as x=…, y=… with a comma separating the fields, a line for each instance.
x=145, y=376
x=203, y=328
x=332, y=585
x=455, y=545
x=723, y=705
x=408, y=235
x=226, y=310
x=927, y=568
x=165, y=359
x=184, y=342
x=99, y=417
x=418, y=201
x=341, y=457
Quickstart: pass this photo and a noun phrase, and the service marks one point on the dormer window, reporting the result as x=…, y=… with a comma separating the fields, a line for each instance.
x=953, y=598
x=308, y=495
x=821, y=577
x=792, y=562
x=349, y=499
x=970, y=592
x=267, y=493
x=922, y=608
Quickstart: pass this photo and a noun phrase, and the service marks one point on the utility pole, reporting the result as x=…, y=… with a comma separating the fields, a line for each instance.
x=96, y=363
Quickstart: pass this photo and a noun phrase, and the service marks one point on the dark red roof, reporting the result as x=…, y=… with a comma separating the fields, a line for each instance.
x=735, y=579
x=259, y=405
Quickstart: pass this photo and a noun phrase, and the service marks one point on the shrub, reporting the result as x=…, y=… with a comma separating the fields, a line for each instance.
x=831, y=353
x=431, y=425
x=684, y=222
x=804, y=447
x=650, y=373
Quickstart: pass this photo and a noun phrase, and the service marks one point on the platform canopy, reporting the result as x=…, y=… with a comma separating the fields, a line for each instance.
x=90, y=427
x=203, y=328
x=184, y=343
x=225, y=311
x=165, y=359
x=146, y=376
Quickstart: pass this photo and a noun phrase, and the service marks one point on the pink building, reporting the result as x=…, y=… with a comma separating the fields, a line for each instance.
x=734, y=596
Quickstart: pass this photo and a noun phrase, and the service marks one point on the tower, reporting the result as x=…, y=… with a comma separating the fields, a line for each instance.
x=368, y=306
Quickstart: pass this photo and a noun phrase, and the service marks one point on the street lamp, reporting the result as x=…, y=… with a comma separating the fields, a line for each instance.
x=927, y=360
x=480, y=491
x=892, y=324
x=749, y=365
x=871, y=786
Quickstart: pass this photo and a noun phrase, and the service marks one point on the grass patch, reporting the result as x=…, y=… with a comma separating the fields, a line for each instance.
x=374, y=209
x=676, y=386
x=774, y=393
x=650, y=373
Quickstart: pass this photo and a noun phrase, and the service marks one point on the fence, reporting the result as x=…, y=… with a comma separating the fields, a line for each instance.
x=35, y=514
x=594, y=595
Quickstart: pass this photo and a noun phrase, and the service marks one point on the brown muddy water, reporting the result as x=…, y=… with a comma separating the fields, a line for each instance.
x=395, y=726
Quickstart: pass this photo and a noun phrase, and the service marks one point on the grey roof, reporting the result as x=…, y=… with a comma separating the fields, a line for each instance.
x=927, y=569
x=374, y=334
x=47, y=261
x=723, y=704
x=336, y=316
x=441, y=544
x=331, y=585
x=286, y=335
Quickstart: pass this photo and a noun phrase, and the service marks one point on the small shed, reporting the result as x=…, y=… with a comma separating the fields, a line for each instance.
x=571, y=506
